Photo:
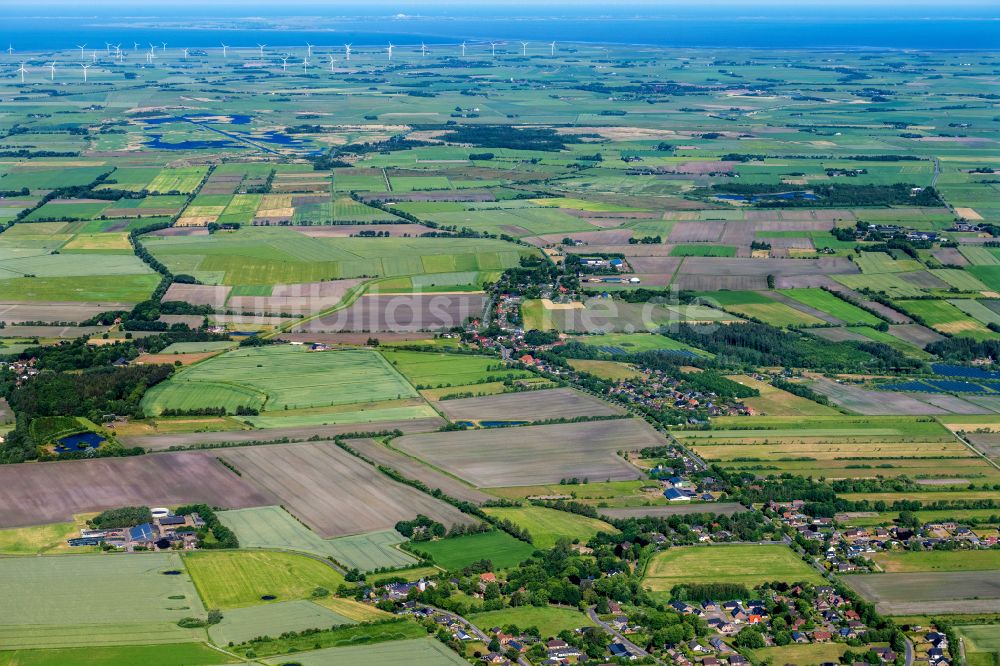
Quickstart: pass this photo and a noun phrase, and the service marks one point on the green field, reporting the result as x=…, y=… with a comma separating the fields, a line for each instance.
x=745, y=565
x=548, y=620
x=546, y=526
x=636, y=342
x=433, y=369
x=814, y=653
x=982, y=643
x=833, y=306
x=273, y=527
x=51, y=601
x=243, y=624
x=497, y=546
x=762, y=307
x=263, y=255
x=415, y=652
x=176, y=654
x=280, y=377
x=238, y=579
x=343, y=636
x=938, y=560
x=36, y=540
x=700, y=250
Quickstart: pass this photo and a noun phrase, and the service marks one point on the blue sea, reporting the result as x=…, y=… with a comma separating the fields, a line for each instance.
x=963, y=27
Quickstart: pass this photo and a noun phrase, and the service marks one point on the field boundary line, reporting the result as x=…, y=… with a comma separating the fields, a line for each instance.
x=972, y=448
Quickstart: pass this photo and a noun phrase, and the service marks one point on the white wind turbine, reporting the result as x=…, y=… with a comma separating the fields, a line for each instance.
x=552, y=48
x=22, y=71
x=107, y=47
x=135, y=46
x=305, y=65
x=493, y=46
x=164, y=49
x=463, y=49
x=85, y=68
x=347, y=51
x=185, y=54
x=389, y=49
x=225, y=50
x=423, y=49
x=331, y=62
x=152, y=51
x=309, y=50
x=81, y=47
x=524, y=48
x=52, y=71
x=261, y=47
x=284, y=63
x=93, y=56
x=10, y=49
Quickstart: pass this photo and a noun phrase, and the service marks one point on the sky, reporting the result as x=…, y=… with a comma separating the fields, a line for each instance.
x=513, y=5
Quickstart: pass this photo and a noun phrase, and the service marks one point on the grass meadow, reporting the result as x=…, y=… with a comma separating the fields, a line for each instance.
x=748, y=565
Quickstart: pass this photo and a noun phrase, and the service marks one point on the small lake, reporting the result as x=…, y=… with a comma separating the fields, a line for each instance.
x=79, y=442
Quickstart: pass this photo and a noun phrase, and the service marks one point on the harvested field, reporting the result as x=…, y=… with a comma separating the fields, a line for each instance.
x=722, y=508
x=401, y=312
x=950, y=255
x=946, y=592
x=296, y=298
x=720, y=282
x=564, y=403
x=35, y=493
x=604, y=237
x=348, y=338
x=198, y=294
x=414, y=469
x=162, y=442
x=333, y=492
x=535, y=454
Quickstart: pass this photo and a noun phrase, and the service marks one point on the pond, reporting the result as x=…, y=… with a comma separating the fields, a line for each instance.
x=79, y=442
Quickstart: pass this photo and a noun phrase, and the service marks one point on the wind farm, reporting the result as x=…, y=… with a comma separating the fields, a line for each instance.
x=438, y=339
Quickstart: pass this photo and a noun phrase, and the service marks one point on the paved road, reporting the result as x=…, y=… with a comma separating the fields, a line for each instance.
x=909, y=652
x=476, y=631
x=937, y=172
x=635, y=649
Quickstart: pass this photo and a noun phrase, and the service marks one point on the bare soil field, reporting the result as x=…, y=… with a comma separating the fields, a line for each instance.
x=606, y=237
x=37, y=493
x=915, y=334
x=50, y=331
x=348, y=338
x=555, y=403
x=945, y=592
x=401, y=312
x=836, y=334
x=15, y=312
x=296, y=298
x=533, y=455
x=805, y=281
x=697, y=232
x=723, y=508
x=776, y=267
x=639, y=250
x=414, y=469
x=167, y=441
x=333, y=492
x=872, y=403
x=987, y=442
x=954, y=404
x=950, y=255
x=198, y=294
x=718, y=282
x=666, y=265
